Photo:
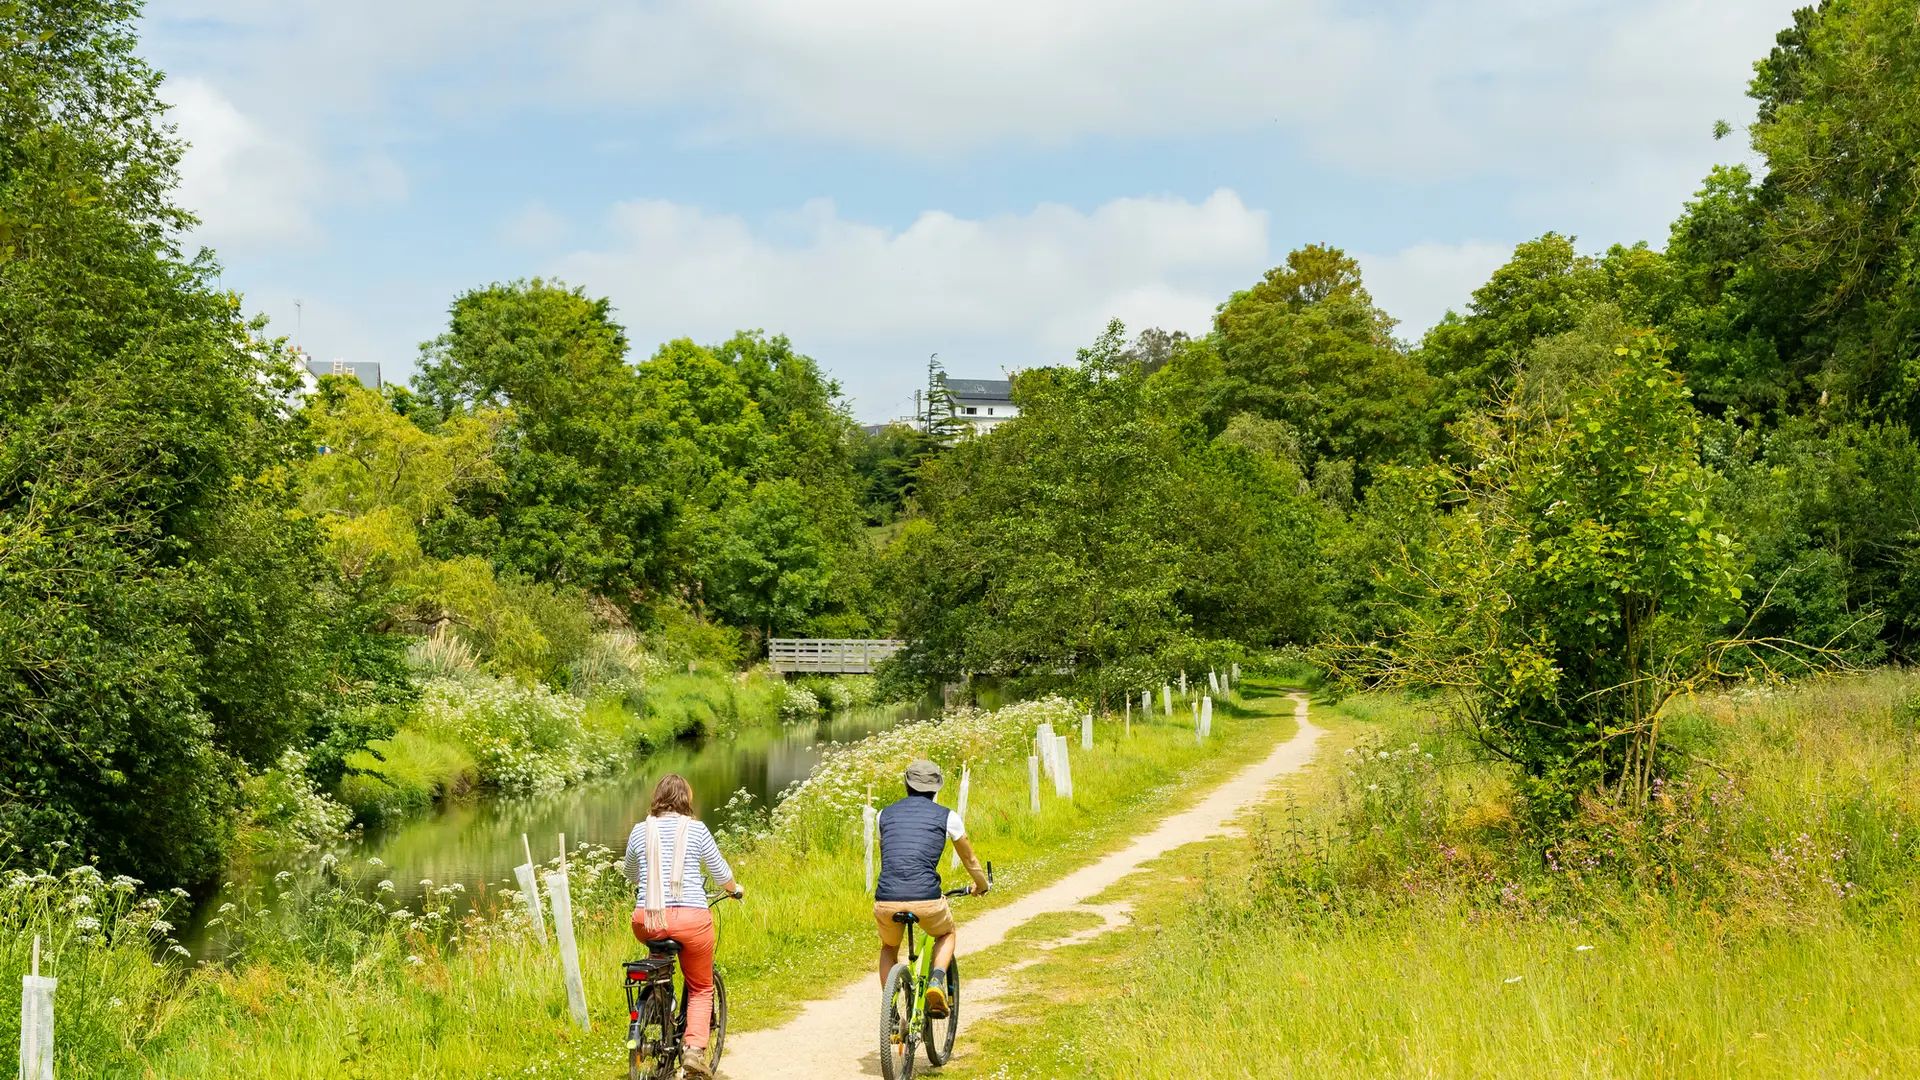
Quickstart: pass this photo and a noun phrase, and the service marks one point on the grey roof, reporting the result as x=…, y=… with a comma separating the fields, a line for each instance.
x=981, y=389
x=366, y=372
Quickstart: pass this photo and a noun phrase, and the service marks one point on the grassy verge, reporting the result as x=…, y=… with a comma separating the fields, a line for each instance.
x=326, y=986
x=1768, y=931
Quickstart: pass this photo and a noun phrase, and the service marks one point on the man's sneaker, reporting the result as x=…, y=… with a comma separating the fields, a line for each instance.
x=694, y=1063
x=937, y=1000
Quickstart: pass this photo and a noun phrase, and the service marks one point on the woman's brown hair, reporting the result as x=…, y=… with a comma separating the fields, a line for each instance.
x=672, y=796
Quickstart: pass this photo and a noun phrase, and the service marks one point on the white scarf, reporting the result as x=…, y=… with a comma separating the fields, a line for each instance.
x=662, y=886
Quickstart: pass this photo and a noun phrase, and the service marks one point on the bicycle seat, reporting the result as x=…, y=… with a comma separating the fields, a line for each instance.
x=905, y=917
x=664, y=947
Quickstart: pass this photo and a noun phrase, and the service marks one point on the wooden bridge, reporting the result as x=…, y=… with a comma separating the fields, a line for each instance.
x=841, y=656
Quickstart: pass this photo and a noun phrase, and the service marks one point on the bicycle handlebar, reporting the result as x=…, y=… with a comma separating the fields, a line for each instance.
x=715, y=897
x=968, y=890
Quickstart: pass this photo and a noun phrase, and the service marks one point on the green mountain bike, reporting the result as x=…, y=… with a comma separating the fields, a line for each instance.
x=656, y=1029
x=904, y=1023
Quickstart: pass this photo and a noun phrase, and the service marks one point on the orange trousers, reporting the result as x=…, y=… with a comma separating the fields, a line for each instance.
x=693, y=929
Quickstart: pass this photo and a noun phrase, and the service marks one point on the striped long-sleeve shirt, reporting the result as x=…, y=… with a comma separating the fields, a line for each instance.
x=701, y=851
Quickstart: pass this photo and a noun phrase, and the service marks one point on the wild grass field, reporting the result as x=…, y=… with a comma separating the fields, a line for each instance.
x=1391, y=915
x=326, y=982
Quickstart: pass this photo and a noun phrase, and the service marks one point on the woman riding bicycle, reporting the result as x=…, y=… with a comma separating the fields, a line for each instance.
x=665, y=854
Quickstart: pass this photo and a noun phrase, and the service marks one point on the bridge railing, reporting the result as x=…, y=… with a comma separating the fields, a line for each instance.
x=840, y=656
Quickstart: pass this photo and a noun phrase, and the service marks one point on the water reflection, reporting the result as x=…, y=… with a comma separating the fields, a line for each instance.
x=477, y=841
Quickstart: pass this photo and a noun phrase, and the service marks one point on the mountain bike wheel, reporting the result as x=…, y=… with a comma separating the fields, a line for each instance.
x=896, y=1025
x=940, y=1034
x=717, y=1033
x=652, y=1060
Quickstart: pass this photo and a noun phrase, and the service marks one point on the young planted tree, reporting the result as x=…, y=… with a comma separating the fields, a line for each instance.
x=1575, y=581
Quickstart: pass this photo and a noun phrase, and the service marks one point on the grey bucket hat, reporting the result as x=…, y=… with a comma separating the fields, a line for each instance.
x=924, y=776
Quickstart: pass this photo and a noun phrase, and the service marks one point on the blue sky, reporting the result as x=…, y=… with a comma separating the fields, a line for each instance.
x=988, y=180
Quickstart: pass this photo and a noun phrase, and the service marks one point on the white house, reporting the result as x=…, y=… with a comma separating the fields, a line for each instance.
x=982, y=404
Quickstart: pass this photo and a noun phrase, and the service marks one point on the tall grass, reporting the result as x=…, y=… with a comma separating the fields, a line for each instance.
x=1430, y=992
x=1395, y=918
x=327, y=982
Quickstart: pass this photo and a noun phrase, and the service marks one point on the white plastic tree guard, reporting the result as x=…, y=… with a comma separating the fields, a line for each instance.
x=1033, y=783
x=530, y=891
x=966, y=785
x=1086, y=731
x=869, y=821
x=562, y=898
x=1063, y=776
x=36, y=1021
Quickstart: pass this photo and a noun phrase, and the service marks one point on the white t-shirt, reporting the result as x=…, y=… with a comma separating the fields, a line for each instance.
x=956, y=829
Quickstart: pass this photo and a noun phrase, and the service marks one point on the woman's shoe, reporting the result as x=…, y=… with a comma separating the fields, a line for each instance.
x=694, y=1063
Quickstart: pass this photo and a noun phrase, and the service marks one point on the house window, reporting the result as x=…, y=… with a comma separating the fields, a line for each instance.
x=973, y=412
x=989, y=412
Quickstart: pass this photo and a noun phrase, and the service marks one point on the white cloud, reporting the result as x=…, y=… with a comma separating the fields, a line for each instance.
x=1381, y=85
x=250, y=189
x=1419, y=284
x=1461, y=86
x=1047, y=279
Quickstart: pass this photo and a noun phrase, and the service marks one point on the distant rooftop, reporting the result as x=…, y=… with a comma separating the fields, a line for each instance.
x=366, y=373
x=981, y=389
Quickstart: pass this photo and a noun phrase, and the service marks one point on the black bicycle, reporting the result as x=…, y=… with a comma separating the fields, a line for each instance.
x=656, y=1023
x=904, y=1019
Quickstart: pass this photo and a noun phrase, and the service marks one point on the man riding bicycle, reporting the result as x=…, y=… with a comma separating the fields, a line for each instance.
x=913, y=836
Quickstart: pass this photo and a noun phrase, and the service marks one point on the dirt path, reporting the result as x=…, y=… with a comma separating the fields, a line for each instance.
x=836, y=1037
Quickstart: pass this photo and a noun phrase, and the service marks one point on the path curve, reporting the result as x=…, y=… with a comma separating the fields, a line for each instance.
x=834, y=1038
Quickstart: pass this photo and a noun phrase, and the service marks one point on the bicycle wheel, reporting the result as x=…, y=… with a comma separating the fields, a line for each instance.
x=717, y=1032
x=653, y=1059
x=896, y=1025
x=940, y=1034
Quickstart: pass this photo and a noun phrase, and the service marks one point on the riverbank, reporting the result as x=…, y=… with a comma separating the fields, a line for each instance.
x=326, y=982
x=1383, y=918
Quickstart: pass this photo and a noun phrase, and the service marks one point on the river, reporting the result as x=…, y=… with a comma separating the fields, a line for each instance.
x=476, y=841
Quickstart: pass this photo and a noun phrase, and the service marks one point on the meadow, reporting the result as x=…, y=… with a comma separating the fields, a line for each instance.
x=326, y=980
x=1390, y=914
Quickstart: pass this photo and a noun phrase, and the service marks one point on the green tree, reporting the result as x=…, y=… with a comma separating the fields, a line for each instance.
x=1580, y=582
x=167, y=619
x=581, y=504
x=1308, y=347
x=1099, y=531
x=1839, y=127
x=1544, y=290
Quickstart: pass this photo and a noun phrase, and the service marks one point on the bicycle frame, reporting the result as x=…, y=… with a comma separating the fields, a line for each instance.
x=920, y=963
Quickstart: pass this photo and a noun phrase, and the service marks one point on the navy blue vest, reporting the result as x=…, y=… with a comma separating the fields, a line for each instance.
x=913, y=836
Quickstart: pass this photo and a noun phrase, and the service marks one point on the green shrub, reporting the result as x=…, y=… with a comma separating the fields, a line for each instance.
x=286, y=808
x=406, y=772
x=523, y=738
x=613, y=665
x=799, y=703
x=677, y=634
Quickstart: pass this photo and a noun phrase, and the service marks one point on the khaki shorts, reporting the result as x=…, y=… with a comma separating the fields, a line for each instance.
x=935, y=916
